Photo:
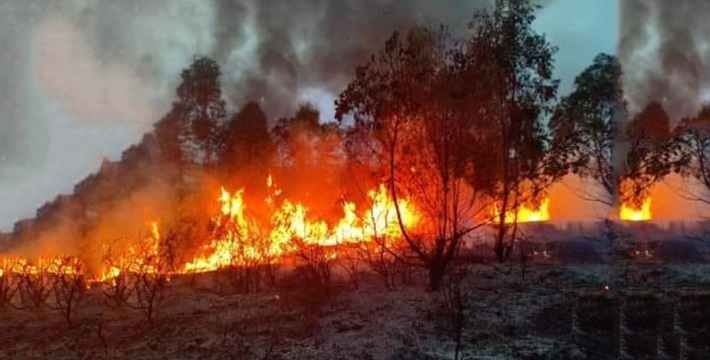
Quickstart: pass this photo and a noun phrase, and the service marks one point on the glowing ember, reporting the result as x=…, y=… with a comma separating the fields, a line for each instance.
x=526, y=214
x=630, y=212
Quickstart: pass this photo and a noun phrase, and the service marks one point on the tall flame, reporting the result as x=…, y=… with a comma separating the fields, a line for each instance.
x=526, y=213
x=630, y=212
x=291, y=221
x=233, y=227
x=238, y=240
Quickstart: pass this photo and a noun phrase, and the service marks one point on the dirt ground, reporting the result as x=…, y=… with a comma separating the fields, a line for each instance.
x=633, y=310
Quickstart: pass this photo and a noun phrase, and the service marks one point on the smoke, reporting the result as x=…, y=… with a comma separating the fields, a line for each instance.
x=665, y=50
x=82, y=79
x=272, y=50
x=122, y=224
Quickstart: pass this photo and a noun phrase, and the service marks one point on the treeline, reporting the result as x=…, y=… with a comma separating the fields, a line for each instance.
x=454, y=124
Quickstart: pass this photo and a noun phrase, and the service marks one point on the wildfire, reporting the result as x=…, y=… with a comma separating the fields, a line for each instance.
x=137, y=258
x=631, y=212
x=239, y=240
x=44, y=265
x=109, y=274
x=526, y=213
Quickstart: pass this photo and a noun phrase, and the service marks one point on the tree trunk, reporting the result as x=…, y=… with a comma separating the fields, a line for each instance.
x=437, y=270
x=498, y=248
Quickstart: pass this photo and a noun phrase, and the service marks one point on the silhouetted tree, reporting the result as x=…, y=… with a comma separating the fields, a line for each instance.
x=68, y=286
x=149, y=275
x=299, y=138
x=192, y=130
x=167, y=134
x=515, y=63
x=693, y=157
x=34, y=285
x=248, y=144
x=8, y=282
x=648, y=159
x=584, y=126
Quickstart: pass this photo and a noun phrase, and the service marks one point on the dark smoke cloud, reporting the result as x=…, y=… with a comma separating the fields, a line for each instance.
x=272, y=50
x=665, y=50
x=82, y=79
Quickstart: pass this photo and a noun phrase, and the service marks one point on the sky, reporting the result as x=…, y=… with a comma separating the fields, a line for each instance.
x=81, y=80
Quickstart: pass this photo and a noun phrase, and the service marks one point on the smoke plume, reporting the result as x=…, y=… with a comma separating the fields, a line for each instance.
x=72, y=72
x=665, y=50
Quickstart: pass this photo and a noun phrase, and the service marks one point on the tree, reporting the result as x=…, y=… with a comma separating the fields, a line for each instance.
x=8, y=282
x=192, y=130
x=34, y=284
x=247, y=144
x=167, y=134
x=515, y=64
x=650, y=155
x=68, y=285
x=116, y=287
x=585, y=123
x=316, y=263
x=299, y=138
x=414, y=115
x=139, y=276
x=378, y=255
x=306, y=147
x=692, y=140
x=152, y=263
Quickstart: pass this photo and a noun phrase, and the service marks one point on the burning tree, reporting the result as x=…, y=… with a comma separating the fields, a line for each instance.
x=68, y=285
x=34, y=284
x=138, y=277
x=115, y=279
x=149, y=285
x=415, y=120
x=8, y=282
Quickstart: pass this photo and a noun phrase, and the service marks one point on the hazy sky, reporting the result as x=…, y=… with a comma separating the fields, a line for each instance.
x=80, y=80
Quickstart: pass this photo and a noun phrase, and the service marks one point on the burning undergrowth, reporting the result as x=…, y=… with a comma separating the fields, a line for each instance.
x=139, y=215
x=206, y=191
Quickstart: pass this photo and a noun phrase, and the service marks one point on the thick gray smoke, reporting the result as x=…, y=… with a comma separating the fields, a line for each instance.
x=82, y=79
x=277, y=51
x=665, y=51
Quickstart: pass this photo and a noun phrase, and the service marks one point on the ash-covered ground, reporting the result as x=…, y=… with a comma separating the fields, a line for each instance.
x=583, y=298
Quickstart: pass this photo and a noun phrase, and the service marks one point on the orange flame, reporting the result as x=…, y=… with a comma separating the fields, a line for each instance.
x=239, y=240
x=220, y=251
x=631, y=212
x=526, y=213
x=291, y=221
